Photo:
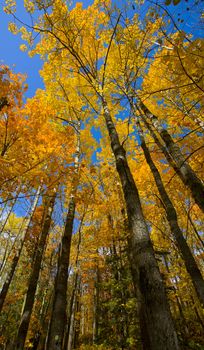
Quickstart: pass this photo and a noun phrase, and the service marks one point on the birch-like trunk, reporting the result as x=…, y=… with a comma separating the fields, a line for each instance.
x=146, y=273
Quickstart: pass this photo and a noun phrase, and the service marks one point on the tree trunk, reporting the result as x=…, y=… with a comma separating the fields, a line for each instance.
x=58, y=319
x=179, y=306
x=59, y=316
x=7, y=283
x=163, y=150
x=71, y=311
x=3, y=102
x=46, y=305
x=190, y=263
x=45, y=325
x=196, y=231
x=74, y=341
x=96, y=306
x=30, y=296
x=70, y=323
x=188, y=177
x=144, y=266
x=9, y=278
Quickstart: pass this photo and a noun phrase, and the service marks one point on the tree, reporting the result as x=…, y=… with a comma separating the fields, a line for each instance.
x=104, y=71
x=188, y=258
x=29, y=301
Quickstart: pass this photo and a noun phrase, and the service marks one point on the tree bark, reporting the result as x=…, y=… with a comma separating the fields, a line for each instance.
x=30, y=296
x=3, y=102
x=71, y=310
x=189, y=261
x=144, y=265
x=7, y=283
x=58, y=318
x=96, y=306
x=70, y=323
x=163, y=150
x=16, y=258
x=188, y=177
x=74, y=339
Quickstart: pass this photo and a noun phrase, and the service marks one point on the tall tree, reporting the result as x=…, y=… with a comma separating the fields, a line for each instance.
x=58, y=318
x=32, y=285
x=95, y=61
x=188, y=258
x=15, y=260
x=146, y=272
x=185, y=172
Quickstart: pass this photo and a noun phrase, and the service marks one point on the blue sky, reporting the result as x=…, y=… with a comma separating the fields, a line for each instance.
x=11, y=55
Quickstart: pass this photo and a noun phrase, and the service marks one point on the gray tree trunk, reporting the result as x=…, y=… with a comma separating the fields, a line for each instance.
x=189, y=261
x=58, y=318
x=151, y=290
x=188, y=177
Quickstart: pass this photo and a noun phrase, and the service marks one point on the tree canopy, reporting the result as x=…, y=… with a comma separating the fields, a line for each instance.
x=102, y=193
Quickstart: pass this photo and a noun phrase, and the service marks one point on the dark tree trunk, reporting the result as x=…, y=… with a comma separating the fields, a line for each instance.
x=59, y=316
x=9, y=278
x=58, y=319
x=74, y=343
x=197, y=313
x=44, y=325
x=163, y=150
x=71, y=312
x=30, y=296
x=17, y=255
x=190, y=263
x=46, y=305
x=96, y=307
x=71, y=309
x=156, y=310
x=188, y=177
x=3, y=102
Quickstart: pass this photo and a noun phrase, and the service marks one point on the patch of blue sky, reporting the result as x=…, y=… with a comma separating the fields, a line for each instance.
x=23, y=204
x=11, y=54
x=96, y=133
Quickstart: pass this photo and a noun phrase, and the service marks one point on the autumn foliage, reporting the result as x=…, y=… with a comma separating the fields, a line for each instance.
x=101, y=181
